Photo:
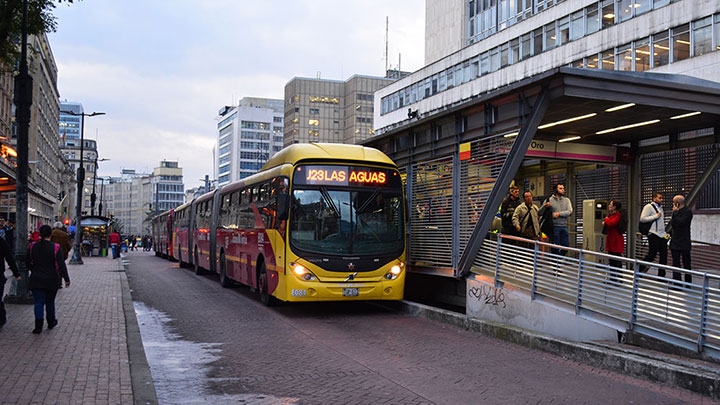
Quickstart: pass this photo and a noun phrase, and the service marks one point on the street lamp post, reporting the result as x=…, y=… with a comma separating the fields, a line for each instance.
x=102, y=189
x=92, y=196
x=76, y=257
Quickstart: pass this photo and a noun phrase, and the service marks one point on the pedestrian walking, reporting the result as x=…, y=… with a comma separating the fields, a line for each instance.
x=7, y=233
x=114, y=240
x=61, y=237
x=47, y=266
x=561, y=210
x=614, y=239
x=680, y=242
x=6, y=255
x=657, y=238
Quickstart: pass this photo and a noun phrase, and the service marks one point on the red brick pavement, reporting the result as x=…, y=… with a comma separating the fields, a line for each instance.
x=85, y=359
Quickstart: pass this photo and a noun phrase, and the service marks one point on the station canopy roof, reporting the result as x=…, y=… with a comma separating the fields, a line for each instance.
x=664, y=103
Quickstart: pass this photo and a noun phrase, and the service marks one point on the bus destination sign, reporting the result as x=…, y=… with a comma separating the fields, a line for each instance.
x=342, y=175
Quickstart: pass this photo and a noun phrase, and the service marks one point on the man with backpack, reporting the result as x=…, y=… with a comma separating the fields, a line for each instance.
x=653, y=213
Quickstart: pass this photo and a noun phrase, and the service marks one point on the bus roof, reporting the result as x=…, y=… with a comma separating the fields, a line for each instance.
x=326, y=151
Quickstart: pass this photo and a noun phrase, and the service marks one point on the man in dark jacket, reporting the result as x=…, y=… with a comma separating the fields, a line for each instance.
x=507, y=209
x=680, y=243
x=5, y=256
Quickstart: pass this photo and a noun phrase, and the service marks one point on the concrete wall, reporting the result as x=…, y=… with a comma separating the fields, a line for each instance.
x=512, y=306
x=445, y=32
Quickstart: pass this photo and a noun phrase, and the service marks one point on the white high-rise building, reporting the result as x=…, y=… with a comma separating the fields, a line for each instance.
x=248, y=134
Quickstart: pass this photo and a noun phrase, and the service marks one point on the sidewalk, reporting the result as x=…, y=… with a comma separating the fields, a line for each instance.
x=94, y=355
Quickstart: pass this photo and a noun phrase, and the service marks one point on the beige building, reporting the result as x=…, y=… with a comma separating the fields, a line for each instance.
x=46, y=166
x=320, y=110
x=134, y=198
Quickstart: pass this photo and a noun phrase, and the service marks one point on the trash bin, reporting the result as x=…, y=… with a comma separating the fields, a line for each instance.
x=103, y=252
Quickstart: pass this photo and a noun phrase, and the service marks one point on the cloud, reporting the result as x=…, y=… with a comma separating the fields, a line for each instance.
x=161, y=70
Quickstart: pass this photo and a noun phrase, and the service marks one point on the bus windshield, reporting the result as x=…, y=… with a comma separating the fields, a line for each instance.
x=365, y=221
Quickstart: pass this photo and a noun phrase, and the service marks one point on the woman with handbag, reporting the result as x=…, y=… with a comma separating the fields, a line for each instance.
x=46, y=262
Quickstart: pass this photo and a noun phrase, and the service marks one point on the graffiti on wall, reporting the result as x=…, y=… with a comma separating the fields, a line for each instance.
x=488, y=294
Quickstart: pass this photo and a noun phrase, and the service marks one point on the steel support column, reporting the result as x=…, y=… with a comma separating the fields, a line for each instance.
x=509, y=168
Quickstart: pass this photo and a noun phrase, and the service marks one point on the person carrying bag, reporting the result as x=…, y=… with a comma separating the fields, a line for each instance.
x=46, y=263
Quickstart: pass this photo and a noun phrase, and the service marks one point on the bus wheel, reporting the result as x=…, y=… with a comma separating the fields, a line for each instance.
x=224, y=280
x=198, y=270
x=262, y=284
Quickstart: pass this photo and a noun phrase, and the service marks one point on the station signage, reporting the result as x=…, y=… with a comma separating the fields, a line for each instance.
x=571, y=151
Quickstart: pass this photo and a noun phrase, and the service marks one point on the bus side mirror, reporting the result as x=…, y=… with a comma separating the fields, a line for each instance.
x=282, y=206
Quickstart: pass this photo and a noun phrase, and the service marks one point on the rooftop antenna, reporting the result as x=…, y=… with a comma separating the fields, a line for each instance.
x=387, y=22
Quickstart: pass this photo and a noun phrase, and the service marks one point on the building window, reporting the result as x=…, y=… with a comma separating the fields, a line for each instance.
x=702, y=36
x=607, y=12
x=608, y=60
x=314, y=111
x=681, y=42
x=642, y=54
x=592, y=19
x=550, y=36
x=661, y=49
x=624, y=59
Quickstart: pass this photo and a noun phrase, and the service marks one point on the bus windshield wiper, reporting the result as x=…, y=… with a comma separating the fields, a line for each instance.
x=329, y=202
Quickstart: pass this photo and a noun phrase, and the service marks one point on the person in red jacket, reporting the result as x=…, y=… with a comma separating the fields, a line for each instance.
x=115, y=241
x=614, y=239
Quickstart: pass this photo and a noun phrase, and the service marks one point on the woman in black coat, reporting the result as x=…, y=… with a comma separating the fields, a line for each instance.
x=46, y=262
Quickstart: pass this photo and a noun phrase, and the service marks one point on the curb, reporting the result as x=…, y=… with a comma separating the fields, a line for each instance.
x=142, y=382
x=695, y=378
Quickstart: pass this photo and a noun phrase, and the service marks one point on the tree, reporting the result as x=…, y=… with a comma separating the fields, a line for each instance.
x=39, y=19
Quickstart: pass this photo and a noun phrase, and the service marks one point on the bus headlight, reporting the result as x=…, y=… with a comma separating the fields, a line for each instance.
x=394, y=272
x=301, y=272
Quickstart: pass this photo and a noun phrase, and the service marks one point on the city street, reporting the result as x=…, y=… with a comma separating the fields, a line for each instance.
x=208, y=344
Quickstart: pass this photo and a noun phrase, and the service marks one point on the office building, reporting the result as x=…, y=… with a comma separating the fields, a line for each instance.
x=248, y=134
x=70, y=133
x=133, y=198
x=336, y=111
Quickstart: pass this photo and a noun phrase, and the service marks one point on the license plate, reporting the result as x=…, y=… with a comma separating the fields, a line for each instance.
x=350, y=292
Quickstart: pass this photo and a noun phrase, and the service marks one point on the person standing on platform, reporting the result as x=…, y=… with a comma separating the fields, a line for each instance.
x=526, y=221
x=657, y=238
x=561, y=210
x=614, y=239
x=507, y=209
x=680, y=242
x=47, y=266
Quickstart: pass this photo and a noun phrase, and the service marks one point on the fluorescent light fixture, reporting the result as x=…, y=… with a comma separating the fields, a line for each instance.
x=677, y=117
x=620, y=107
x=572, y=138
x=511, y=134
x=639, y=124
x=581, y=117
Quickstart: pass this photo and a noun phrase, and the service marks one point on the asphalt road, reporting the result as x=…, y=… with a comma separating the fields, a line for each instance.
x=207, y=344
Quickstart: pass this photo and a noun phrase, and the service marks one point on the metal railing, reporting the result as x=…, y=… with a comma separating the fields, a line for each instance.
x=684, y=314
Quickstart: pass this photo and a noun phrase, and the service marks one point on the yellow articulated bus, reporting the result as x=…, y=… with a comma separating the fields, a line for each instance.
x=319, y=222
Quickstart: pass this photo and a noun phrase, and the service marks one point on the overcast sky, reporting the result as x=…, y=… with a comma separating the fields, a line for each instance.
x=161, y=69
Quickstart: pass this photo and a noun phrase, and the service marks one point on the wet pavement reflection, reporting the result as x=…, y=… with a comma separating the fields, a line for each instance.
x=180, y=368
